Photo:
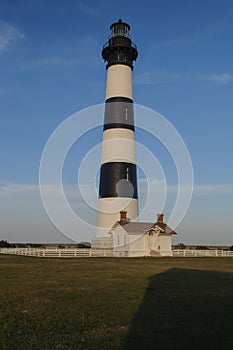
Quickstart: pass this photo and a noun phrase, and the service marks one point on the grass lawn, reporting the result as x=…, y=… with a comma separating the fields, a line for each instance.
x=110, y=303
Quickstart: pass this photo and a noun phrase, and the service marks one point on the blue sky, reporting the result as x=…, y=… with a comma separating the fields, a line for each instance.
x=51, y=67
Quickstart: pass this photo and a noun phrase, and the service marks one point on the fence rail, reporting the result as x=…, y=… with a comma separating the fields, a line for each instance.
x=48, y=253
x=63, y=253
x=87, y=252
x=201, y=253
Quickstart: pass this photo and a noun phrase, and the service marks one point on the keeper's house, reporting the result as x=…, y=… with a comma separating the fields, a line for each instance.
x=142, y=238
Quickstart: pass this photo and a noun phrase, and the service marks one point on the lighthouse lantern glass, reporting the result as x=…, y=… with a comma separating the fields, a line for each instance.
x=120, y=29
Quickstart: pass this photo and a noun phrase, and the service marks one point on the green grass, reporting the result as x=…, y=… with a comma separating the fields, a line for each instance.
x=101, y=303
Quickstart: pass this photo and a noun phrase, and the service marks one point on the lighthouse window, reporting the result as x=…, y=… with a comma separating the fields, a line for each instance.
x=120, y=30
x=127, y=173
x=126, y=113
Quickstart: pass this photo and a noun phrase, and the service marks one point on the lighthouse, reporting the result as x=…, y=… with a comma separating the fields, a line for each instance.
x=118, y=229
x=118, y=173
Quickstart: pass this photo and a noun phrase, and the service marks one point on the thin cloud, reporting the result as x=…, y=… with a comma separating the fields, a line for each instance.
x=222, y=78
x=8, y=189
x=203, y=190
x=160, y=77
x=73, y=57
x=58, y=61
x=87, y=8
x=192, y=38
x=52, y=61
x=198, y=189
x=216, y=189
x=31, y=191
x=9, y=36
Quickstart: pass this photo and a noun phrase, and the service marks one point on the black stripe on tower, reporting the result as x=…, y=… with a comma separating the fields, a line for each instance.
x=111, y=175
x=119, y=113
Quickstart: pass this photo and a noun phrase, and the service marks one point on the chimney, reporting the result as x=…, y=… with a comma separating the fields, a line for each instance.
x=123, y=219
x=160, y=218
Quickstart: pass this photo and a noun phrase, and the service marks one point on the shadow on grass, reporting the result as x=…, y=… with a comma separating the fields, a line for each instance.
x=184, y=309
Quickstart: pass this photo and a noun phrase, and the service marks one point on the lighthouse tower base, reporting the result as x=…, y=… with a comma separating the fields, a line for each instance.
x=109, y=214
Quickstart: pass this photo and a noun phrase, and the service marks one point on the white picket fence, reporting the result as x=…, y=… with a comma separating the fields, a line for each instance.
x=201, y=253
x=86, y=252
x=57, y=253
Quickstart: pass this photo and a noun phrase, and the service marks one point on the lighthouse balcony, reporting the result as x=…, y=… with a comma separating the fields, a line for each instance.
x=119, y=41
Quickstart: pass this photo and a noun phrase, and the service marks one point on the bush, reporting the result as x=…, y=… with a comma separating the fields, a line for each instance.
x=4, y=244
x=201, y=247
x=180, y=246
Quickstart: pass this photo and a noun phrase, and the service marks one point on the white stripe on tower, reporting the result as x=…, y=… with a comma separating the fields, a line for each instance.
x=118, y=173
x=119, y=81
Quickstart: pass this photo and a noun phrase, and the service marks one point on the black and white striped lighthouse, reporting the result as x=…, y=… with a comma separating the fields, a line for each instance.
x=118, y=173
